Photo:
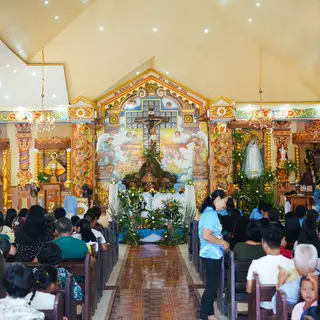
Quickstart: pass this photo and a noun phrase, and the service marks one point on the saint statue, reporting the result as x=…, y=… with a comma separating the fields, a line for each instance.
x=253, y=165
x=54, y=167
x=282, y=154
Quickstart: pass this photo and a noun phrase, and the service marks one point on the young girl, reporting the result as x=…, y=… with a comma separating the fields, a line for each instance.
x=85, y=233
x=44, y=285
x=309, y=295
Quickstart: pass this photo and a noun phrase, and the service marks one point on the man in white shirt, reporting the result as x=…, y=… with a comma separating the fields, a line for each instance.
x=268, y=266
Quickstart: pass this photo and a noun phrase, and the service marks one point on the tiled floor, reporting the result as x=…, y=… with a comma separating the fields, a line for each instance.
x=155, y=284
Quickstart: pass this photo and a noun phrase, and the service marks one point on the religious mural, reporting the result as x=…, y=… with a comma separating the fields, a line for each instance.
x=182, y=147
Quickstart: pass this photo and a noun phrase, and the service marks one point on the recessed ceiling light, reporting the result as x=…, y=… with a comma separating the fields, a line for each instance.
x=56, y=17
x=34, y=74
x=101, y=28
x=155, y=29
x=206, y=31
x=46, y=2
x=167, y=72
x=6, y=97
x=137, y=72
x=257, y=4
x=250, y=19
x=54, y=96
x=8, y=65
x=14, y=71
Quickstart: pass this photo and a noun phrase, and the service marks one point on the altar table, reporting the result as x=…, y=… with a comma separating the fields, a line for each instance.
x=155, y=202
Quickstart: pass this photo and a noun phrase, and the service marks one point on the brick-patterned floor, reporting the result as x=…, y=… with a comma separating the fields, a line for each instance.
x=155, y=285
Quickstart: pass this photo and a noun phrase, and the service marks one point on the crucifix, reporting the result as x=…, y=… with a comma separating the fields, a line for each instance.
x=151, y=119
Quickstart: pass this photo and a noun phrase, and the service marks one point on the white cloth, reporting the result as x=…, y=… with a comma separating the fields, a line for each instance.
x=18, y=309
x=253, y=166
x=156, y=201
x=190, y=197
x=41, y=301
x=113, y=198
x=98, y=234
x=267, y=269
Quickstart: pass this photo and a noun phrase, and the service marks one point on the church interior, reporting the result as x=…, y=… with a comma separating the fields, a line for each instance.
x=96, y=111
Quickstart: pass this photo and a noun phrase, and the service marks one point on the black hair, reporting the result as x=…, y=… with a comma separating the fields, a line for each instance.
x=272, y=236
x=239, y=231
x=290, y=214
x=59, y=213
x=5, y=246
x=300, y=211
x=235, y=214
x=261, y=204
x=254, y=231
x=17, y=280
x=264, y=222
x=265, y=207
x=1, y=221
x=291, y=229
x=274, y=214
x=42, y=279
x=50, y=254
x=50, y=220
x=227, y=223
x=85, y=231
x=312, y=215
x=89, y=216
x=63, y=225
x=10, y=215
x=230, y=205
x=35, y=224
x=309, y=235
x=97, y=211
x=209, y=201
x=74, y=220
x=23, y=213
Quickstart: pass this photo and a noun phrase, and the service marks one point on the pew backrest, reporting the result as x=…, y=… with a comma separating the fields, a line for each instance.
x=283, y=310
x=58, y=309
x=70, y=304
x=260, y=293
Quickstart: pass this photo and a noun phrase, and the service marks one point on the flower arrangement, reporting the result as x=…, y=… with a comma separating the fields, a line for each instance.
x=190, y=182
x=43, y=177
x=269, y=176
x=237, y=137
x=238, y=156
x=152, y=192
x=290, y=166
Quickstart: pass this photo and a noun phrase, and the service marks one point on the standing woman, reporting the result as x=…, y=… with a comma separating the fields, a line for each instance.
x=212, y=248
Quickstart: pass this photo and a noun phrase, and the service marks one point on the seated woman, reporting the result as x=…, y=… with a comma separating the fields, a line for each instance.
x=239, y=231
x=50, y=254
x=84, y=233
x=17, y=282
x=44, y=286
x=10, y=216
x=32, y=235
x=5, y=231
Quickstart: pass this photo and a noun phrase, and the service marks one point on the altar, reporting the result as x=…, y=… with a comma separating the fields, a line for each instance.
x=156, y=201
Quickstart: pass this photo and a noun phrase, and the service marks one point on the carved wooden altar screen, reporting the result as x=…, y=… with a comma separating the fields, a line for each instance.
x=5, y=174
x=183, y=140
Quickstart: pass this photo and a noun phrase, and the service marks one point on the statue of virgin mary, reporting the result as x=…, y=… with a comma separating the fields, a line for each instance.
x=253, y=165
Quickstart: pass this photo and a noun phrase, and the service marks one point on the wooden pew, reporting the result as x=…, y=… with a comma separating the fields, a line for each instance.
x=195, y=246
x=84, y=269
x=283, y=309
x=190, y=229
x=222, y=302
x=70, y=303
x=259, y=294
x=236, y=288
x=58, y=310
x=108, y=256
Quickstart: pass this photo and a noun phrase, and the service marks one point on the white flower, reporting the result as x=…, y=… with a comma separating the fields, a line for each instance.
x=269, y=175
x=152, y=218
x=239, y=154
x=241, y=177
x=120, y=220
x=257, y=191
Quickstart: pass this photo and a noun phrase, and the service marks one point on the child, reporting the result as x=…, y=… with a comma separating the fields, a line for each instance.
x=44, y=285
x=309, y=295
x=17, y=281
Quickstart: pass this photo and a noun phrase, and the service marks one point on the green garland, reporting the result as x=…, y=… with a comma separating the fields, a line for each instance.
x=290, y=166
x=269, y=176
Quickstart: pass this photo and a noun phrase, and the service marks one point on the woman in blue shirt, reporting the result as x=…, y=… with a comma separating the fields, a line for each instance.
x=212, y=247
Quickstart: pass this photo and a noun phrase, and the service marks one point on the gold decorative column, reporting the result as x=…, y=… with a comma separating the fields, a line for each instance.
x=67, y=184
x=36, y=165
x=6, y=173
x=267, y=148
x=40, y=160
x=297, y=160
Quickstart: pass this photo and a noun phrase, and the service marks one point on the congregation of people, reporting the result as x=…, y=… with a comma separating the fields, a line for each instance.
x=34, y=236
x=283, y=253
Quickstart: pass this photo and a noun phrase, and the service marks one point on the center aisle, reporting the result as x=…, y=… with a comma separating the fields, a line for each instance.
x=154, y=284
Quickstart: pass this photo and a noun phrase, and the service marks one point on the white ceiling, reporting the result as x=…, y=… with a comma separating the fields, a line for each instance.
x=20, y=84
x=224, y=61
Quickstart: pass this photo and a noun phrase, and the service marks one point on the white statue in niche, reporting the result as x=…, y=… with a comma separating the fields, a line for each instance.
x=253, y=164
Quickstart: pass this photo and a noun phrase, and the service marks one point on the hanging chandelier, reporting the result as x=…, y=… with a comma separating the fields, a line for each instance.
x=43, y=121
x=261, y=119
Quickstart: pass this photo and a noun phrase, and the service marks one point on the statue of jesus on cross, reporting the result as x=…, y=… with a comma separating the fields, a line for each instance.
x=152, y=122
